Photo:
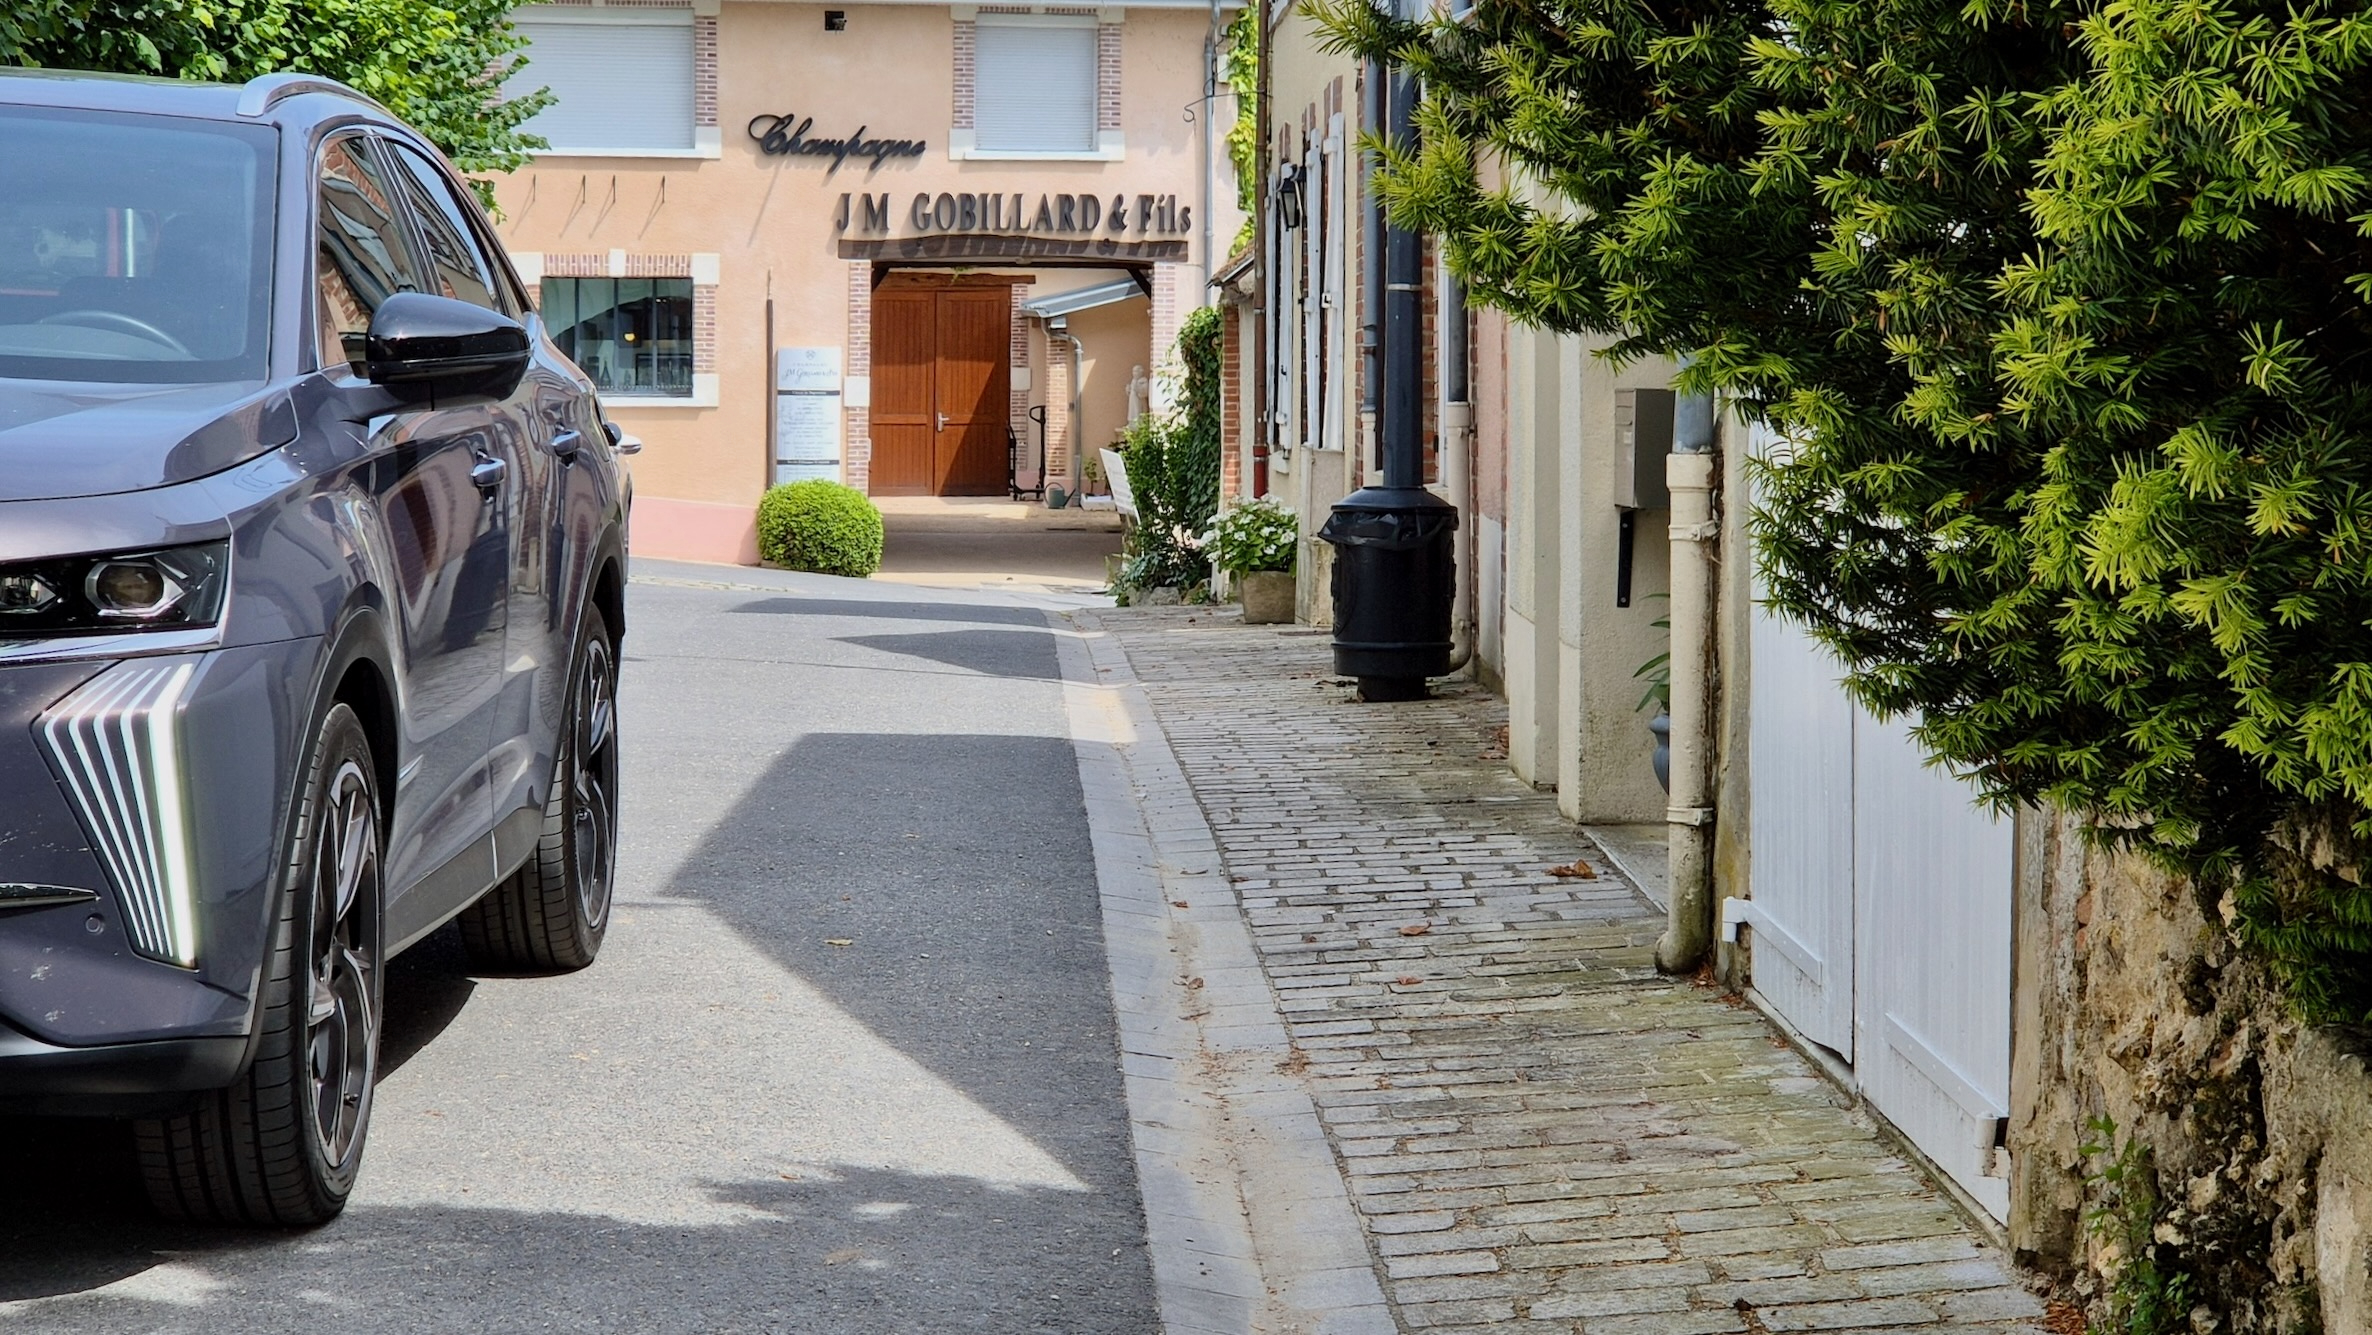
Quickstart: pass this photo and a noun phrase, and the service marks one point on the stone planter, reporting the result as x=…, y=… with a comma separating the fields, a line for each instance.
x=1268, y=596
x=1661, y=726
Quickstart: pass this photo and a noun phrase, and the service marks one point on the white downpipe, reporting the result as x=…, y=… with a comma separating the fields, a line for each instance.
x=1457, y=478
x=1055, y=329
x=1688, y=930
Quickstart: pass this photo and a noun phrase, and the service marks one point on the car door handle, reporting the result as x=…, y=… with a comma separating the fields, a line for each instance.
x=488, y=472
x=567, y=443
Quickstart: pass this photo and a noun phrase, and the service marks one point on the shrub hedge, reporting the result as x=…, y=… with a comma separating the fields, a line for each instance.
x=820, y=526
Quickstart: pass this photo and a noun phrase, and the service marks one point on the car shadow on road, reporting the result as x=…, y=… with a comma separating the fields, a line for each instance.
x=845, y=1252
x=73, y=1213
x=427, y=988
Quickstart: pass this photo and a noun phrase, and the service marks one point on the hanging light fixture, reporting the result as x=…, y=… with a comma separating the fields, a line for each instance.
x=1289, y=199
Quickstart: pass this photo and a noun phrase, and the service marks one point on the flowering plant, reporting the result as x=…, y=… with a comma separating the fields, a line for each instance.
x=1258, y=534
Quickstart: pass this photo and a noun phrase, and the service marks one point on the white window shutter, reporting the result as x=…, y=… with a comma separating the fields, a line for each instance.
x=618, y=85
x=1035, y=89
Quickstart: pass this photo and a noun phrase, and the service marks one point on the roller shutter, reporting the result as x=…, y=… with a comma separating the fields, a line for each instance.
x=621, y=83
x=1036, y=87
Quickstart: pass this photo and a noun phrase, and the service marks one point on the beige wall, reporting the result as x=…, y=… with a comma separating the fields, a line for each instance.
x=1114, y=340
x=769, y=220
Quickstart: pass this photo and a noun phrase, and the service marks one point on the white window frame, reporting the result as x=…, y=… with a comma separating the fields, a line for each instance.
x=1336, y=284
x=707, y=142
x=705, y=269
x=963, y=142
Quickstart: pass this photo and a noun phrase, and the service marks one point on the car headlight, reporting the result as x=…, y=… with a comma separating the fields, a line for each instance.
x=175, y=587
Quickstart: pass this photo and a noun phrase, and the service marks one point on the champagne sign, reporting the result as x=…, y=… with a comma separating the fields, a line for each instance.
x=1018, y=213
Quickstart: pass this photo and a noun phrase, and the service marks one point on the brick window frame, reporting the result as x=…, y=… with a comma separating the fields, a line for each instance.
x=1111, y=138
x=701, y=267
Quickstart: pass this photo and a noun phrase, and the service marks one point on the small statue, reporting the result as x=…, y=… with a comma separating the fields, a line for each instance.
x=1136, y=393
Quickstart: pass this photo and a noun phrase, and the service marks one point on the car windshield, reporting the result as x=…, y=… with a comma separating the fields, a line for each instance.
x=133, y=248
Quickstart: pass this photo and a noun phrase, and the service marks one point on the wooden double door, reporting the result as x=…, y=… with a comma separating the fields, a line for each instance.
x=941, y=367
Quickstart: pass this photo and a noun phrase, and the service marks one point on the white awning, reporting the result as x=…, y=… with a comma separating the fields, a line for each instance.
x=1081, y=299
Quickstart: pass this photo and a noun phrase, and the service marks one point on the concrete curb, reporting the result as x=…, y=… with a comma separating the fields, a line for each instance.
x=1250, y=1226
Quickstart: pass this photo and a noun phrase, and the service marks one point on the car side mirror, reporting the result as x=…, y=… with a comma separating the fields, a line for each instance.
x=426, y=346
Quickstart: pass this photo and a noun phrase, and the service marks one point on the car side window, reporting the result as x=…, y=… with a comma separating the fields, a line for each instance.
x=456, y=265
x=362, y=256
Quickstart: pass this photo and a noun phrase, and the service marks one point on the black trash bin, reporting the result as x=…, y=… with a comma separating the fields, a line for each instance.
x=1395, y=578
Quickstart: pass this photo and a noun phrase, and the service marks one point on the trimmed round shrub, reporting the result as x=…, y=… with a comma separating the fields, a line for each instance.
x=820, y=526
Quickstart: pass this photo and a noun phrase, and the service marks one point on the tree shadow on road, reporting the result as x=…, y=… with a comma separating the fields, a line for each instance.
x=860, y=607
x=998, y=653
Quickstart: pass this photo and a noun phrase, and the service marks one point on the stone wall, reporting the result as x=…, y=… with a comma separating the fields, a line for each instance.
x=2134, y=1006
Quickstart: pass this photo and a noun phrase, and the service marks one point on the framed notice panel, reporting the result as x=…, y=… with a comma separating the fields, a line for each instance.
x=806, y=414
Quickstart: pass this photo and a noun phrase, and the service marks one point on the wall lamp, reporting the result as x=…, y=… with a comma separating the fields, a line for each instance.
x=1289, y=214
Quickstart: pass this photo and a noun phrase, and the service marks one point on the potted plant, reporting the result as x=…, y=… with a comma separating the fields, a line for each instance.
x=1657, y=672
x=1255, y=542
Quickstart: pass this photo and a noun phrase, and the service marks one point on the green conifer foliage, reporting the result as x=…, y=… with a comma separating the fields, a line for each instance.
x=438, y=64
x=2060, y=311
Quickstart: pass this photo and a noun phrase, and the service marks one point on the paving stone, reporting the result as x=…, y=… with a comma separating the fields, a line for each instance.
x=1667, y=1323
x=1540, y=1132
x=1611, y=1302
x=1986, y=1272
x=1846, y=1315
x=1440, y=1263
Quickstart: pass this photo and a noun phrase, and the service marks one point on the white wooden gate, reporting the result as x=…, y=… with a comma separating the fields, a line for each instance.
x=1881, y=908
x=1932, y=887
x=1800, y=805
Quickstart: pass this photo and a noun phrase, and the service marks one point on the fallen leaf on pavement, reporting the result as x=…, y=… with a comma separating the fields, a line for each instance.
x=842, y=1256
x=1177, y=903
x=1416, y=929
x=1576, y=870
x=1408, y=980
x=838, y=941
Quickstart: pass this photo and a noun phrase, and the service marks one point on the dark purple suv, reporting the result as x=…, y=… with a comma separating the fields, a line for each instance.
x=312, y=553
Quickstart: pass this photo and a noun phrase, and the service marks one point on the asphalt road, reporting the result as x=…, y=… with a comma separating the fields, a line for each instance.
x=847, y=1063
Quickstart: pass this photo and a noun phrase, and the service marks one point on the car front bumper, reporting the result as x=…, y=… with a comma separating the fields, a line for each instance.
x=112, y=1079
x=143, y=806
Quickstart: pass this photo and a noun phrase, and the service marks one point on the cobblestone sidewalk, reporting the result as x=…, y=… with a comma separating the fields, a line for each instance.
x=1539, y=1132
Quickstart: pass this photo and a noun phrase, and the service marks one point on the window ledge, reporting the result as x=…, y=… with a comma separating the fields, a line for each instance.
x=1020, y=155
x=704, y=151
x=703, y=395
x=1111, y=146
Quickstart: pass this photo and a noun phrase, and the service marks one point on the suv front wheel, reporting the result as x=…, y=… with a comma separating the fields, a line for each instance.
x=281, y=1146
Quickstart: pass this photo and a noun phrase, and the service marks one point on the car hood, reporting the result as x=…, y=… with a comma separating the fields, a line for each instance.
x=61, y=439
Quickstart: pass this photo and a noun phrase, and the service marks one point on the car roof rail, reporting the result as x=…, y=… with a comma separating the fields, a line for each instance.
x=265, y=91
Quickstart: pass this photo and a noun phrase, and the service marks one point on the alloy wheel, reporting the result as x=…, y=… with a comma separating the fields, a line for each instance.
x=594, y=784
x=342, y=1012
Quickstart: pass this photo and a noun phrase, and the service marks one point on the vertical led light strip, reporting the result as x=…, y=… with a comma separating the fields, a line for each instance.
x=117, y=742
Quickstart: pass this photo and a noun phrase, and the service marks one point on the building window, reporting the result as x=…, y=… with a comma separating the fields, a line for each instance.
x=633, y=336
x=622, y=79
x=1035, y=84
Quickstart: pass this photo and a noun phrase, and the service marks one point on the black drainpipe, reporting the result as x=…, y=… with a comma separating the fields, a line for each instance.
x=1395, y=575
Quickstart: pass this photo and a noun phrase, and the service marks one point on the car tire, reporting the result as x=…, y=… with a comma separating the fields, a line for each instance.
x=281, y=1146
x=552, y=913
